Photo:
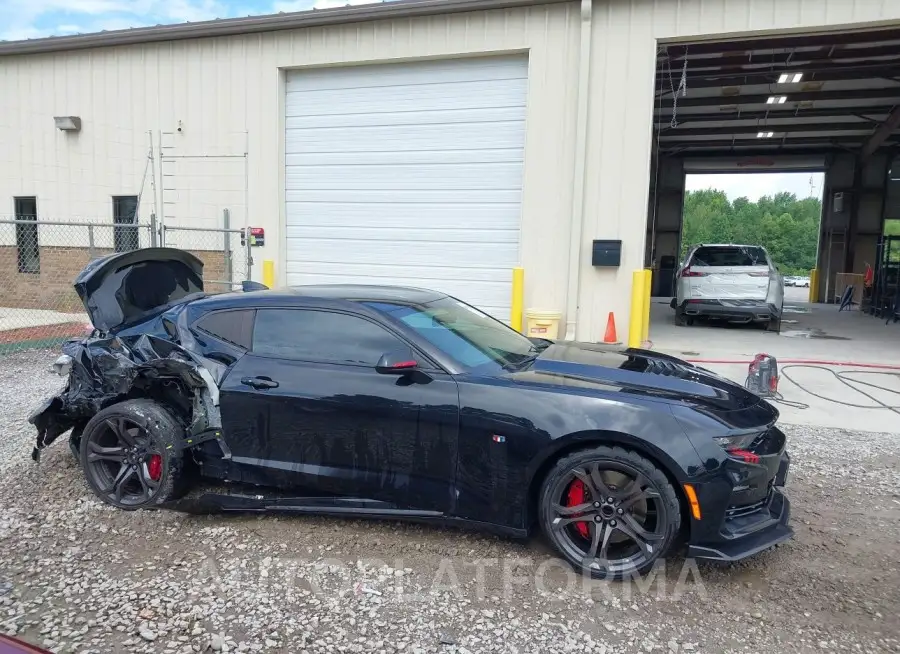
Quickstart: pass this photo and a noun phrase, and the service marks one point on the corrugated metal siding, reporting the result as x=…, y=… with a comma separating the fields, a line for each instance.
x=220, y=88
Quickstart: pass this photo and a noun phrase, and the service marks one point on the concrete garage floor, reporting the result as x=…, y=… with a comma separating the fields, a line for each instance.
x=815, y=332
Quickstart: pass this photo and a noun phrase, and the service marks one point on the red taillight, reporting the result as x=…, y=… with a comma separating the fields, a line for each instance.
x=687, y=272
x=405, y=364
x=744, y=455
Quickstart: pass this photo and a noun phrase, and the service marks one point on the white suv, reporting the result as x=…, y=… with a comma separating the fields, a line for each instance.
x=736, y=283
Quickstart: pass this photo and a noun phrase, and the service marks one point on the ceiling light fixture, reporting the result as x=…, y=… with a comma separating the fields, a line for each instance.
x=776, y=99
x=765, y=135
x=790, y=78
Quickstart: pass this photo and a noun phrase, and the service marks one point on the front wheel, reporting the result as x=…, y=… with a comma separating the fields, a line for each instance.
x=609, y=511
x=129, y=455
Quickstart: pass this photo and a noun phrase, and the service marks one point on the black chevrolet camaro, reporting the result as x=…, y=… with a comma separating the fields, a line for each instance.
x=408, y=404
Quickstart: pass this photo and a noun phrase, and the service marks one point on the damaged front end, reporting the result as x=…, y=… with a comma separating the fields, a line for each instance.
x=104, y=371
x=120, y=360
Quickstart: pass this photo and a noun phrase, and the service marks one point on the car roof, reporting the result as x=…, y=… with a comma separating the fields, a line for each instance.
x=298, y=295
x=728, y=245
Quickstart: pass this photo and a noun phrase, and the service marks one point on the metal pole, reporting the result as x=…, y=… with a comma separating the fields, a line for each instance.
x=229, y=272
x=249, y=258
x=153, y=233
x=91, y=240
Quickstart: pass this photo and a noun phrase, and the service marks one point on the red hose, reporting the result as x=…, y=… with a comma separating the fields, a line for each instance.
x=812, y=362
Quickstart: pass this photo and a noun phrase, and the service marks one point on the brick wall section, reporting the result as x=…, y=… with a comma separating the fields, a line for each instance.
x=52, y=289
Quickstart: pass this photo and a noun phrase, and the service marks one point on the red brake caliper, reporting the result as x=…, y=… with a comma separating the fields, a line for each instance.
x=155, y=467
x=576, y=496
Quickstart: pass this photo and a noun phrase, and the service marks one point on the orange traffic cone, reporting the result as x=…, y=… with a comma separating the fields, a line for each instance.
x=610, y=335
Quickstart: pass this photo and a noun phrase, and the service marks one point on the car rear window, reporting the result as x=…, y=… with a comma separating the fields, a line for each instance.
x=729, y=256
x=233, y=326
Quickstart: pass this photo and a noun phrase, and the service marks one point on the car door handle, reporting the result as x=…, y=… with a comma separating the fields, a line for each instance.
x=259, y=383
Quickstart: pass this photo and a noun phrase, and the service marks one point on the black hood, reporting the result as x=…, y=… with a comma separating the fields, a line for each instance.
x=640, y=371
x=124, y=288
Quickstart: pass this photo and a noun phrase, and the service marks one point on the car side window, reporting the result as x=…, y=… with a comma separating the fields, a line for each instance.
x=233, y=327
x=315, y=335
x=436, y=333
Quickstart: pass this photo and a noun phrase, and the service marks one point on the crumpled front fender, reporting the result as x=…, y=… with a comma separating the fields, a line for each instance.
x=109, y=369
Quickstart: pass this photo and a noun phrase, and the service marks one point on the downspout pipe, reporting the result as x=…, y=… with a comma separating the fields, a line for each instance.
x=573, y=282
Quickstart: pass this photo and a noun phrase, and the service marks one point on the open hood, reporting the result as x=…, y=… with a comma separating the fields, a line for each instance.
x=124, y=288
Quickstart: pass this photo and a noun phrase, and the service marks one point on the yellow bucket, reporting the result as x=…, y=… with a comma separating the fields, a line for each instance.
x=542, y=324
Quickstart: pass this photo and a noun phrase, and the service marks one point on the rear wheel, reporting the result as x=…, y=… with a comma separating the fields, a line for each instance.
x=774, y=325
x=129, y=456
x=609, y=511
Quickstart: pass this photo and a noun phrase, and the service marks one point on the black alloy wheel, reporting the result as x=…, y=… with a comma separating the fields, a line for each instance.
x=128, y=457
x=610, y=512
x=123, y=462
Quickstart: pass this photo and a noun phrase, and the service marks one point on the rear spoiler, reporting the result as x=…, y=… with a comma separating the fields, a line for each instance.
x=247, y=286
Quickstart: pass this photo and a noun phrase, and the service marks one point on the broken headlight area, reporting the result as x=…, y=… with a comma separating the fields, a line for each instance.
x=105, y=370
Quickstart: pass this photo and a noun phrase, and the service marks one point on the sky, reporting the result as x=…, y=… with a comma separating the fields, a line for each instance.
x=29, y=19
x=755, y=185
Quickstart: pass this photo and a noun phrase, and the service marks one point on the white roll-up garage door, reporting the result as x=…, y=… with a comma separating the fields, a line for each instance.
x=407, y=174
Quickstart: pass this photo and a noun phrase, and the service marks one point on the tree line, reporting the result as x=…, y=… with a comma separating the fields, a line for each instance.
x=786, y=226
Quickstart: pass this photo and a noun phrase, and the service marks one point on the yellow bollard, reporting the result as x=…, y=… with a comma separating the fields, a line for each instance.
x=648, y=287
x=268, y=273
x=636, y=318
x=814, y=285
x=518, y=299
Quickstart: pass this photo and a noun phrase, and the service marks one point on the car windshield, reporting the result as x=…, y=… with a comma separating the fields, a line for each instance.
x=469, y=336
x=740, y=255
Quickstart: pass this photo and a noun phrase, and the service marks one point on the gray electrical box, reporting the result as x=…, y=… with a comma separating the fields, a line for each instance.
x=837, y=204
x=606, y=253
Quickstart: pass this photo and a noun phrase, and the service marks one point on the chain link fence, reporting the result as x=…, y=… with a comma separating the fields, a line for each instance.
x=225, y=252
x=39, y=260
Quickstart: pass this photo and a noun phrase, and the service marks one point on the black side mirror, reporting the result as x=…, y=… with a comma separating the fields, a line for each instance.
x=398, y=362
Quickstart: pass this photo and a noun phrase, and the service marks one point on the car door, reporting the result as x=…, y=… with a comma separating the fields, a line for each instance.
x=307, y=406
x=776, y=285
x=682, y=284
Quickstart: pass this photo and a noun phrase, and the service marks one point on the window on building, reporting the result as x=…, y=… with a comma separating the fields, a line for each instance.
x=27, y=250
x=321, y=336
x=125, y=218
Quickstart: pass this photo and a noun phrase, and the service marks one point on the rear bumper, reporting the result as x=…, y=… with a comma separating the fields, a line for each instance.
x=743, y=531
x=732, y=310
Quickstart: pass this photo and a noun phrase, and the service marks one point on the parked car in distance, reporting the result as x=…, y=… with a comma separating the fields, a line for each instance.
x=734, y=283
x=790, y=281
x=406, y=403
x=801, y=281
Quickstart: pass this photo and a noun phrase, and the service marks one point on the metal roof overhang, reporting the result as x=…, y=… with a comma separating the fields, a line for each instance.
x=257, y=24
x=735, y=103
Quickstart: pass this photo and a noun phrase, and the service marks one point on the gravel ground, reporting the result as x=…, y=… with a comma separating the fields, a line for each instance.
x=78, y=576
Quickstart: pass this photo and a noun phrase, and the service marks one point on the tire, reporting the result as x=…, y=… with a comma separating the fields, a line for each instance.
x=130, y=457
x=597, y=540
x=774, y=325
x=679, y=317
